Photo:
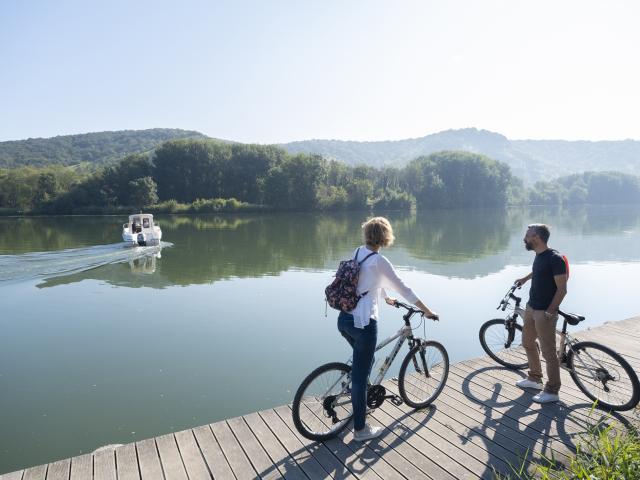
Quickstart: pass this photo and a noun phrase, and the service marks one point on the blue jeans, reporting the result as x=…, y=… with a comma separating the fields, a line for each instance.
x=363, y=341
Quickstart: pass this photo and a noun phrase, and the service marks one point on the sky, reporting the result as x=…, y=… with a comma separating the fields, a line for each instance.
x=279, y=71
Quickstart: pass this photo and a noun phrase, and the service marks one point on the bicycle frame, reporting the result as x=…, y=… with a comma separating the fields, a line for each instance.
x=402, y=334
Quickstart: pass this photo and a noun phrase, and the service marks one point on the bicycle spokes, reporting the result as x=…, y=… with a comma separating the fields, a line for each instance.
x=603, y=375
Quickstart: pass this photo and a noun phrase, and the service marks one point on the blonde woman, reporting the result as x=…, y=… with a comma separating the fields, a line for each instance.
x=359, y=326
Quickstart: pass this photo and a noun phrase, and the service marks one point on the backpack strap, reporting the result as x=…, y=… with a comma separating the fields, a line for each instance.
x=362, y=261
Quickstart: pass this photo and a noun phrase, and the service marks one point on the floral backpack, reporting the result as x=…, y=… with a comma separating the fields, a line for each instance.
x=341, y=293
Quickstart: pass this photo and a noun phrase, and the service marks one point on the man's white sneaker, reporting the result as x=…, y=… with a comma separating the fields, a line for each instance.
x=545, y=397
x=367, y=433
x=526, y=383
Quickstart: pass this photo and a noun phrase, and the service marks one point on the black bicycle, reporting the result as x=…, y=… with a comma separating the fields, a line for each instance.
x=602, y=374
x=322, y=405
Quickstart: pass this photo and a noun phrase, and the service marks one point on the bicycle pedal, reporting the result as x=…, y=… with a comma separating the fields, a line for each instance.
x=396, y=400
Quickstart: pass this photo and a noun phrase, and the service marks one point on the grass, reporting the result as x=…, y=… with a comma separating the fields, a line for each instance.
x=605, y=452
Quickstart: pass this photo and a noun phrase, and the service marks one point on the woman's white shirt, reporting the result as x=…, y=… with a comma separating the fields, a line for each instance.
x=376, y=275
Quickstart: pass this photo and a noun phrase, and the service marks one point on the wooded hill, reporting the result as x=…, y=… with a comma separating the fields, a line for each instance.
x=531, y=160
x=89, y=149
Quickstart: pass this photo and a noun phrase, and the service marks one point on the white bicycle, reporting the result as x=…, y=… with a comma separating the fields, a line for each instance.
x=322, y=404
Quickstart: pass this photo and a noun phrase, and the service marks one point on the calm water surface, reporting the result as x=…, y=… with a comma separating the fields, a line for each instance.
x=101, y=344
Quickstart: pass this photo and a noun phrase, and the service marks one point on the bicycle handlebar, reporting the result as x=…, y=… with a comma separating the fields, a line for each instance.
x=412, y=310
x=509, y=295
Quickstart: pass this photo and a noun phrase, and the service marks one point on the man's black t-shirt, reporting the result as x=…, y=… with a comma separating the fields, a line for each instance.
x=543, y=286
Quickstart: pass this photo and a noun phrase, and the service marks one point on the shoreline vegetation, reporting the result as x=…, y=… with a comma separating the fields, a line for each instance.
x=210, y=176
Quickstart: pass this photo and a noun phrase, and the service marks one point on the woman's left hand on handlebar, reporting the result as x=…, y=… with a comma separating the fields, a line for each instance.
x=390, y=300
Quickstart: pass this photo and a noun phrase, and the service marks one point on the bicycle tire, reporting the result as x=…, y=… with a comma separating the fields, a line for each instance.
x=612, y=368
x=491, y=339
x=412, y=384
x=310, y=415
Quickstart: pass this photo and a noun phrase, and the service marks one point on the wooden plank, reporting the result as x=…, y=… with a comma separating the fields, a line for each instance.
x=483, y=440
x=17, y=475
x=104, y=465
x=274, y=449
x=433, y=427
x=433, y=463
x=506, y=439
x=330, y=462
x=59, y=470
x=570, y=395
x=240, y=464
x=191, y=456
x=514, y=420
x=381, y=452
x=429, y=442
x=149, y=459
x=625, y=346
x=170, y=459
x=510, y=391
x=259, y=459
x=348, y=457
x=213, y=456
x=35, y=473
x=127, y=462
x=473, y=437
x=82, y=467
x=293, y=446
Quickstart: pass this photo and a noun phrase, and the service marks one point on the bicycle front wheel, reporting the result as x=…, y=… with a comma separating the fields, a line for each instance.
x=603, y=375
x=502, y=341
x=423, y=374
x=322, y=405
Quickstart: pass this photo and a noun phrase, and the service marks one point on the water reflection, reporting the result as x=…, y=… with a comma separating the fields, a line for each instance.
x=452, y=243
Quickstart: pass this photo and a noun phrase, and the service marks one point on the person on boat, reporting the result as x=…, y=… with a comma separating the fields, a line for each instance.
x=359, y=326
x=548, y=288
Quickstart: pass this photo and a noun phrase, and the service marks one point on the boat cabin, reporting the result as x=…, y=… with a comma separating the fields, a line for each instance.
x=139, y=222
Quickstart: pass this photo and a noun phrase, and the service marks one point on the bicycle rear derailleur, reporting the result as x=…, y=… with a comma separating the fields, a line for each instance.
x=377, y=395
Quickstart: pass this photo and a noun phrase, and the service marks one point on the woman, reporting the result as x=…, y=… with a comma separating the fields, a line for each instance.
x=359, y=326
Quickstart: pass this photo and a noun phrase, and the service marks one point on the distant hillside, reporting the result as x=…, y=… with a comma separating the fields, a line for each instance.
x=96, y=149
x=531, y=160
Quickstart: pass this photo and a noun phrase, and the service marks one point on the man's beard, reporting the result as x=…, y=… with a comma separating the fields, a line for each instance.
x=528, y=246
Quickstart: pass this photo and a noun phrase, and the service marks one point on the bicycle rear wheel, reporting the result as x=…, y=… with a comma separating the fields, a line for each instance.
x=502, y=340
x=423, y=374
x=322, y=405
x=603, y=375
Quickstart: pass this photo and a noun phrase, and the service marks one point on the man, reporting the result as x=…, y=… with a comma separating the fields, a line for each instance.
x=548, y=289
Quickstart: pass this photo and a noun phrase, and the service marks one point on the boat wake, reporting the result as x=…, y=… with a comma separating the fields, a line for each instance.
x=37, y=265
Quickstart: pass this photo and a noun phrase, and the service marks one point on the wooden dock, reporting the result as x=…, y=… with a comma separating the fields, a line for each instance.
x=479, y=425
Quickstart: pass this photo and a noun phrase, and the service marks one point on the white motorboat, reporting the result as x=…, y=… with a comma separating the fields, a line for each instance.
x=141, y=230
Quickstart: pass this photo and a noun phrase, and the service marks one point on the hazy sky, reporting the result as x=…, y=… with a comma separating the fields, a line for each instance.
x=277, y=71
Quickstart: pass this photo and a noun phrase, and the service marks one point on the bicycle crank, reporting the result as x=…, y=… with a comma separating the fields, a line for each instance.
x=377, y=395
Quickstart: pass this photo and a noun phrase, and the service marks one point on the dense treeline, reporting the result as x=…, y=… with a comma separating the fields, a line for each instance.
x=89, y=149
x=587, y=188
x=207, y=175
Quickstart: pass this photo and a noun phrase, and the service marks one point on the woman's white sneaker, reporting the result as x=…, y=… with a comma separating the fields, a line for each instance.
x=545, y=397
x=526, y=383
x=367, y=433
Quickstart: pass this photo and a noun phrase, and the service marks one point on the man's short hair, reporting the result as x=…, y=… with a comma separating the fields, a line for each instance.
x=541, y=230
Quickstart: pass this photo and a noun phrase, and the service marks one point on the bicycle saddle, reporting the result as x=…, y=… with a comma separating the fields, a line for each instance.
x=571, y=318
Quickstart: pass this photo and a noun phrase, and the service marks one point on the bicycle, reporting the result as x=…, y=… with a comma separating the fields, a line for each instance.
x=322, y=404
x=602, y=374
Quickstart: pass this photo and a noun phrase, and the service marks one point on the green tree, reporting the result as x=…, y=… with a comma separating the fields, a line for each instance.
x=143, y=192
